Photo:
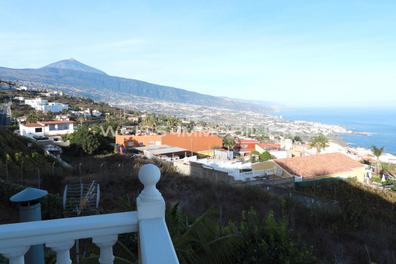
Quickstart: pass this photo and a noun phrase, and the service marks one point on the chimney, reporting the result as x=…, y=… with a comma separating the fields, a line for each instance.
x=30, y=210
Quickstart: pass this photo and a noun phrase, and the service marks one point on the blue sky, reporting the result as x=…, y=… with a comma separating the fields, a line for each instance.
x=299, y=53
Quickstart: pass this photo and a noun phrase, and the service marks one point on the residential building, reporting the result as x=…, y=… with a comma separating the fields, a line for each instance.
x=222, y=154
x=46, y=128
x=22, y=88
x=5, y=114
x=40, y=104
x=162, y=151
x=262, y=147
x=246, y=146
x=193, y=142
x=330, y=165
x=286, y=144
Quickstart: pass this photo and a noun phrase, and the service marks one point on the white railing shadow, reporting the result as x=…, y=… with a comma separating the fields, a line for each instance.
x=155, y=243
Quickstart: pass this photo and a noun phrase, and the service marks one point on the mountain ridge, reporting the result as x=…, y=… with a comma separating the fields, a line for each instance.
x=74, y=77
x=73, y=64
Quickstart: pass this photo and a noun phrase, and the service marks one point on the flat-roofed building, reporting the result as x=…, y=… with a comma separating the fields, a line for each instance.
x=40, y=104
x=46, y=128
x=162, y=151
x=193, y=142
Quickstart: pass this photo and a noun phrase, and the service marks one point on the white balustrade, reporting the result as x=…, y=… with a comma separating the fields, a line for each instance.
x=15, y=254
x=62, y=249
x=155, y=243
x=105, y=243
x=60, y=234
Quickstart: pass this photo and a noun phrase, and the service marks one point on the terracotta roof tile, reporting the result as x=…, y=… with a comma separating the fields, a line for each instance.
x=318, y=165
x=33, y=125
x=55, y=122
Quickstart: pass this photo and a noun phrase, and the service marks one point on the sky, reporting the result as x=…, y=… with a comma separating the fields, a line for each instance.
x=296, y=52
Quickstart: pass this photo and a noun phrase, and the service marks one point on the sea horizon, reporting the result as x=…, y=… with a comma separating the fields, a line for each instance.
x=378, y=122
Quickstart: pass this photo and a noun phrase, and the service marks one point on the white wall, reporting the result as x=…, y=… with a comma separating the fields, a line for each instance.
x=43, y=105
x=30, y=131
x=45, y=131
x=49, y=132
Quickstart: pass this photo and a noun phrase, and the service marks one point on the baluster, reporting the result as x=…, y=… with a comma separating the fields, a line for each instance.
x=15, y=255
x=105, y=243
x=62, y=250
x=150, y=203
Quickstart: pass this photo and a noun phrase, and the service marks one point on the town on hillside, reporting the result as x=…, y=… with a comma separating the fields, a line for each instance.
x=199, y=149
x=82, y=158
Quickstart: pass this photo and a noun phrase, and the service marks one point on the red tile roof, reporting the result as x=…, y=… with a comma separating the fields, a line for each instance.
x=33, y=125
x=269, y=146
x=248, y=141
x=318, y=165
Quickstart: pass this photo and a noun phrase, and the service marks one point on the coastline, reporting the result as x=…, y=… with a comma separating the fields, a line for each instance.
x=363, y=127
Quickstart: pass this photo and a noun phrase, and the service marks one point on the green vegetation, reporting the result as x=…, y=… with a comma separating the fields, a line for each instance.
x=256, y=156
x=319, y=142
x=88, y=140
x=214, y=223
x=377, y=152
x=229, y=142
x=364, y=215
x=297, y=139
x=22, y=161
x=205, y=240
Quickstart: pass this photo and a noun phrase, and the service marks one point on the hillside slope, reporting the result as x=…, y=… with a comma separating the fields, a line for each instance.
x=79, y=79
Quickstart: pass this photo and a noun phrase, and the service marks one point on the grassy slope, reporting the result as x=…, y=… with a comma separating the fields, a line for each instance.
x=363, y=230
x=24, y=160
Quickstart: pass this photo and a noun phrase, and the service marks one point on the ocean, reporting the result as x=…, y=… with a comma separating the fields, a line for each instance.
x=380, y=123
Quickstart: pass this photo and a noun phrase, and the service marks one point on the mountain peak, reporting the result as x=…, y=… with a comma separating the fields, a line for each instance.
x=73, y=64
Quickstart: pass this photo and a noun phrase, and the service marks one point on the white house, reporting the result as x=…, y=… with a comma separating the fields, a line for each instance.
x=43, y=105
x=22, y=88
x=46, y=128
x=96, y=113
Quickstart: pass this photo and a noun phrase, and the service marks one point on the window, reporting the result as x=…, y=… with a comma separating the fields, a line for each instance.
x=53, y=127
x=38, y=130
x=63, y=126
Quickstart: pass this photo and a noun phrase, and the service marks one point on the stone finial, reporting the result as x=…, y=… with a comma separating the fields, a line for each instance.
x=149, y=175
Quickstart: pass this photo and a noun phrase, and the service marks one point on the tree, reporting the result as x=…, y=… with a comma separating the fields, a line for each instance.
x=8, y=159
x=20, y=159
x=202, y=240
x=229, y=142
x=297, y=139
x=36, y=157
x=319, y=142
x=267, y=241
x=172, y=123
x=254, y=156
x=265, y=156
x=377, y=152
x=88, y=141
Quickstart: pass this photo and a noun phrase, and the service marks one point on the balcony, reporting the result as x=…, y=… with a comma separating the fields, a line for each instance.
x=155, y=244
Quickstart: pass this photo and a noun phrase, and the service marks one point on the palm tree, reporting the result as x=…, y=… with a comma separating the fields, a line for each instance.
x=7, y=161
x=19, y=158
x=229, y=142
x=35, y=158
x=319, y=142
x=377, y=152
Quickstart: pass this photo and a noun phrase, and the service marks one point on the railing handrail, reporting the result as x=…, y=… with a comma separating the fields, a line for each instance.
x=60, y=234
x=155, y=242
x=42, y=232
